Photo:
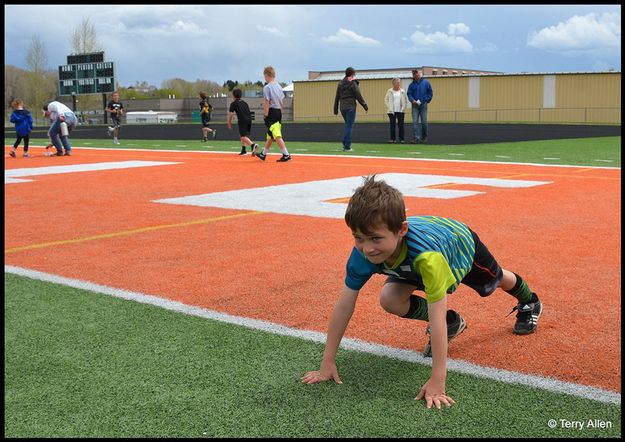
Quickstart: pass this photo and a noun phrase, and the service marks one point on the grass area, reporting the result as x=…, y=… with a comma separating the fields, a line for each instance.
x=80, y=364
x=602, y=151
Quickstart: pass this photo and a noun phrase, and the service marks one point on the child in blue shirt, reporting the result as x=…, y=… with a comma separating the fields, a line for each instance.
x=23, y=121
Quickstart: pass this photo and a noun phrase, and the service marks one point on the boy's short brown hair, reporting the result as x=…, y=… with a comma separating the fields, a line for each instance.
x=375, y=203
x=202, y=95
x=270, y=72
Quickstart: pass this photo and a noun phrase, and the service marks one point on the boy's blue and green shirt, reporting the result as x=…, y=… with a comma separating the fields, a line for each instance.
x=436, y=254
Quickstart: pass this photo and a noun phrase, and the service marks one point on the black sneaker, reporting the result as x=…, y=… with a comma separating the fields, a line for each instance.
x=284, y=158
x=527, y=316
x=261, y=156
x=204, y=140
x=254, y=148
x=12, y=153
x=454, y=327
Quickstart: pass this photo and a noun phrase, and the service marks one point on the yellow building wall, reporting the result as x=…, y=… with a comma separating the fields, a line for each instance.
x=580, y=98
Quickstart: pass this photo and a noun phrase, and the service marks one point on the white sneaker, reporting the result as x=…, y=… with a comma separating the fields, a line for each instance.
x=115, y=140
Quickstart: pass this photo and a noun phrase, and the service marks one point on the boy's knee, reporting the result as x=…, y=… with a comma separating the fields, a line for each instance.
x=393, y=301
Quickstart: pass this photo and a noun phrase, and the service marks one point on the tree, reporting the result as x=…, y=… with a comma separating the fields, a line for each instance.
x=84, y=38
x=231, y=85
x=39, y=82
x=210, y=87
x=182, y=88
x=36, y=57
x=13, y=79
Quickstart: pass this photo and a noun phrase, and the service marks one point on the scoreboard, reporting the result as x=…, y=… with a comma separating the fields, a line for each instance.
x=86, y=74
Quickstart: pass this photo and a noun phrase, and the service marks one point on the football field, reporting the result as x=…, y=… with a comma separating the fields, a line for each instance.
x=161, y=293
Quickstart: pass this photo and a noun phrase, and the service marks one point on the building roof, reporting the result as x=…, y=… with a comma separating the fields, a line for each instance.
x=407, y=73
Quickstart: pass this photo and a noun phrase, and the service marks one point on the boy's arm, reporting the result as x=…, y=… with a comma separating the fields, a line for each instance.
x=360, y=98
x=266, y=108
x=230, y=114
x=437, y=278
x=434, y=389
x=409, y=94
x=341, y=315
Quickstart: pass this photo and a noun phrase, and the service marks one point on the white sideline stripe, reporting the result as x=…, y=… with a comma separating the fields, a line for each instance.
x=456, y=365
x=363, y=156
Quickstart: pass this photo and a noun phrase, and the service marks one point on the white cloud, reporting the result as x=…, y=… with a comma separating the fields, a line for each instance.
x=346, y=36
x=590, y=32
x=439, y=43
x=271, y=30
x=458, y=29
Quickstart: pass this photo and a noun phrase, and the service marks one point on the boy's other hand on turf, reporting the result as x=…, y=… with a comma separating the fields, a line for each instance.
x=434, y=393
x=324, y=374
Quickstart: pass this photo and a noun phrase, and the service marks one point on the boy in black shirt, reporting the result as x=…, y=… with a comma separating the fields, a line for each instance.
x=244, y=116
x=116, y=109
x=205, y=113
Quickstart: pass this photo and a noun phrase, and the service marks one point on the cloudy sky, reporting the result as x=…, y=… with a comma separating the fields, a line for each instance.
x=235, y=42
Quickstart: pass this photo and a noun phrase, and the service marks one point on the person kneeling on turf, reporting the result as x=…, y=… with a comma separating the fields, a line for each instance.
x=426, y=253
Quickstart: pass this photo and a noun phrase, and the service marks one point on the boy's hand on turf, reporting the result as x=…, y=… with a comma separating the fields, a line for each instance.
x=324, y=374
x=434, y=393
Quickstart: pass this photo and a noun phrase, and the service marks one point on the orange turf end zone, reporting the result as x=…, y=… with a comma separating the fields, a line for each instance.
x=563, y=238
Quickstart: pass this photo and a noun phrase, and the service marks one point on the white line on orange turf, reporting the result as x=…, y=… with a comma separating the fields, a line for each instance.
x=459, y=366
x=356, y=157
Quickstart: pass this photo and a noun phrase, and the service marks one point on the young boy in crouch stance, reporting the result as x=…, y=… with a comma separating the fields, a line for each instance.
x=426, y=253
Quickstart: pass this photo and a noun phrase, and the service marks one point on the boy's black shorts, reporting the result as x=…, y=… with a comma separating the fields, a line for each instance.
x=245, y=128
x=484, y=276
x=486, y=273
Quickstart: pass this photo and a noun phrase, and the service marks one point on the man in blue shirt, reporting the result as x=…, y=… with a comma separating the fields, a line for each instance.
x=419, y=94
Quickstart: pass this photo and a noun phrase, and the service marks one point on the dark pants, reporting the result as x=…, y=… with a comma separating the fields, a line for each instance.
x=349, y=115
x=397, y=118
x=19, y=140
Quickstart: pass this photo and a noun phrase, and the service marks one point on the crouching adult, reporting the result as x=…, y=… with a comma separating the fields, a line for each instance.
x=63, y=121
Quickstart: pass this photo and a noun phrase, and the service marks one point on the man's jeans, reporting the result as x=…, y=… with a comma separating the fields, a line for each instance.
x=349, y=116
x=420, y=131
x=54, y=133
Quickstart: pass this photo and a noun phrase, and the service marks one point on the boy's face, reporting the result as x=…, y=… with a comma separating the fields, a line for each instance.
x=380, y=244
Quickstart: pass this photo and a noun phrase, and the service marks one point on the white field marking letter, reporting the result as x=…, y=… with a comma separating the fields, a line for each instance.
x=313, y=198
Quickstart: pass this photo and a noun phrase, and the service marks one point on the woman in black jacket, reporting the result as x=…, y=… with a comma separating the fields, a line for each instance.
x=347, y=92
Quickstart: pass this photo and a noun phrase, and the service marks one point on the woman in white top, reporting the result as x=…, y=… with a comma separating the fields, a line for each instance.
x=396, y=102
